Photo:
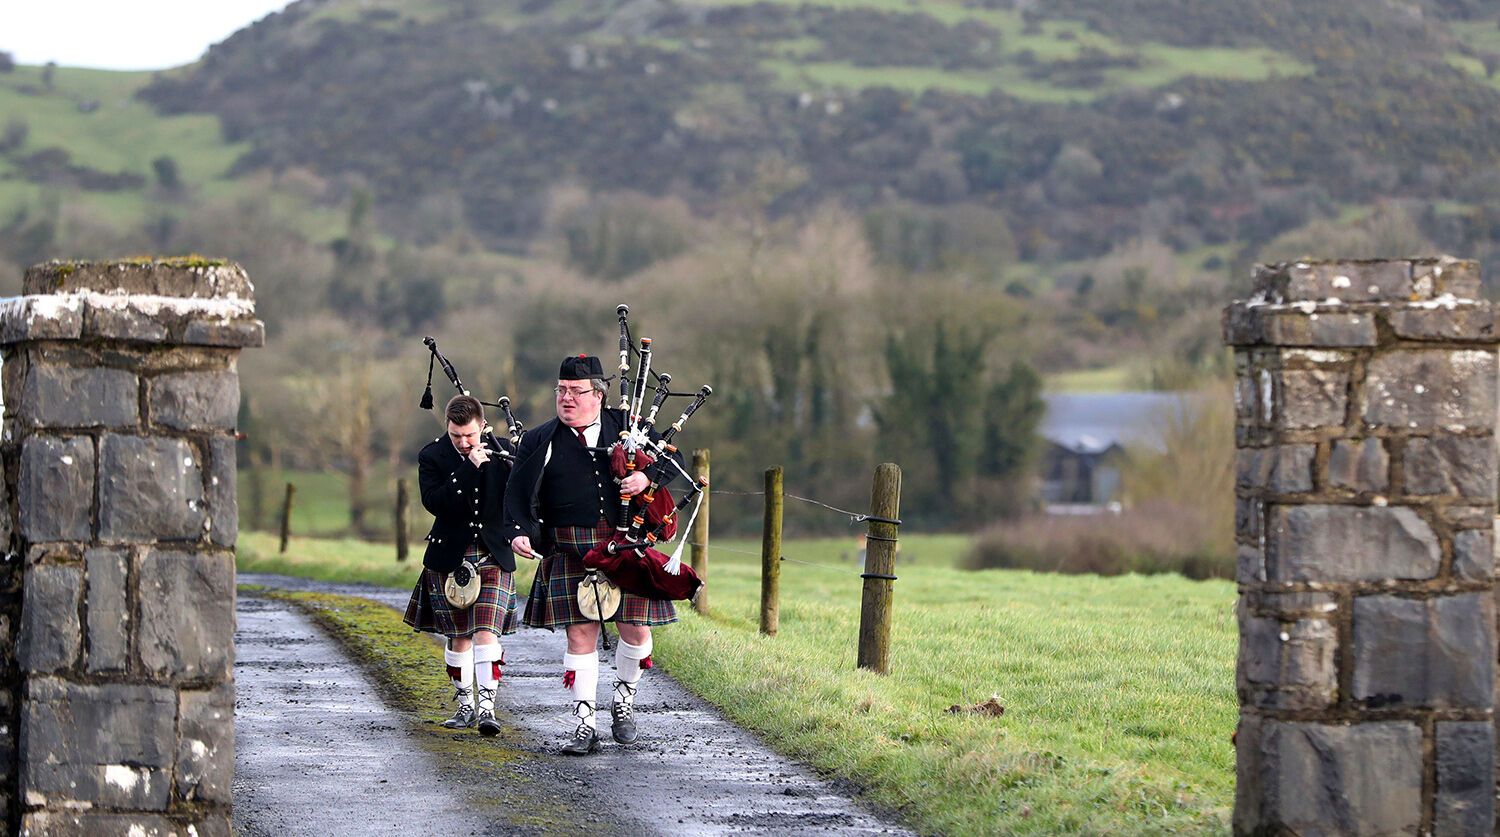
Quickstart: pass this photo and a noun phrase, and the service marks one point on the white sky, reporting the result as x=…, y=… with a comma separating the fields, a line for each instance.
x=122, y=34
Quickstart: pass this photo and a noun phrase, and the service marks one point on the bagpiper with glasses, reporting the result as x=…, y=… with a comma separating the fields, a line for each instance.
x=561, y=501
x=468, y=558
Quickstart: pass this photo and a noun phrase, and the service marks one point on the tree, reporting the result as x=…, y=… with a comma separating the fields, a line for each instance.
x=167, y=176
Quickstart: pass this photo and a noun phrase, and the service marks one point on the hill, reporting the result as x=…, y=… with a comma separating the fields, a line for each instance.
x=1072, y=117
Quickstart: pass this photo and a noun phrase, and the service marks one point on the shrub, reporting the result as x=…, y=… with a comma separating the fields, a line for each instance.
x=1156, y=538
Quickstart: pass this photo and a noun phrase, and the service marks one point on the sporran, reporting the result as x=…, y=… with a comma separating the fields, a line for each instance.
x=598, y=597
x=461, y=587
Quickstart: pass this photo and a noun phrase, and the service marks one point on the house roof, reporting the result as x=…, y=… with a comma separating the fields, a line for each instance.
x=1092, y=422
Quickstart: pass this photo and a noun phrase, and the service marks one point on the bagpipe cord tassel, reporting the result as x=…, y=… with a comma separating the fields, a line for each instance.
x=674, y=564
x=426, y=402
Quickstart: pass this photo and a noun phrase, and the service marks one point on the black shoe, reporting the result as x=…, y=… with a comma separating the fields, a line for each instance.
x=585, y=740
x=462, y=719
x=487, y=723
x=623, y=726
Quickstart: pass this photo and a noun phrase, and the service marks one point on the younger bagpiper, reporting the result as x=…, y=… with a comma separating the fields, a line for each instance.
x=462, y=481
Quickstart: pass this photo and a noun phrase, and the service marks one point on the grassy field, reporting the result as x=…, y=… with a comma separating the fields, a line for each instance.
x=320, y=505
x=95, y=117
x=1118, y=693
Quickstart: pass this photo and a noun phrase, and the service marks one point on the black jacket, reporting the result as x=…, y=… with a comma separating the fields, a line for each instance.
x=466, y=501
x=523, y=512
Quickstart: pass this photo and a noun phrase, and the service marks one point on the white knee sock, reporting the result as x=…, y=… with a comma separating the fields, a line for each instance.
x=582, y=679
x=487, y=673
x=628, y=668
x=461, y=674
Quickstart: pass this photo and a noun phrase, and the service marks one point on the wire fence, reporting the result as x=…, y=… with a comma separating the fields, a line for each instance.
x=854, y=519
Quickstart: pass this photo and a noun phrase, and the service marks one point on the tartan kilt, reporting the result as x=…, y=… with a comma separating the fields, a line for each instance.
x=554, y=589
x=428, y=610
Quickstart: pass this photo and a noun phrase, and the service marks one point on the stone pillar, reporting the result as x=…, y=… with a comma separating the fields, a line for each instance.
x=1365, y=485
x=119, y=522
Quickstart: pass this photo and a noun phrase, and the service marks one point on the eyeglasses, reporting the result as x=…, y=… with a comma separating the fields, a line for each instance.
x=570, y=392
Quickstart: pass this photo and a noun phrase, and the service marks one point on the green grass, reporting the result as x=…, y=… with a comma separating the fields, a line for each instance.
x=1473, y=67
x=329, y=559
x=1110, y=379
x=1119, y=692
x=125, y=135
x=1482, y=34
x=320, y=505
x=1050, y=41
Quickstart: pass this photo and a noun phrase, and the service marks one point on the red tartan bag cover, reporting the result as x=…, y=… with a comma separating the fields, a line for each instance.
x=644, y=575
x=661, y=506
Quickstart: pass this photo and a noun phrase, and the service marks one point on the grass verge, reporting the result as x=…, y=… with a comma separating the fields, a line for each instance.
x=1119, y=691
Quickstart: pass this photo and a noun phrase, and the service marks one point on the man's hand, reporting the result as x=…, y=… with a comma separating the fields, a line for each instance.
x=479, y=455
x=634, y=483
x=521, y=545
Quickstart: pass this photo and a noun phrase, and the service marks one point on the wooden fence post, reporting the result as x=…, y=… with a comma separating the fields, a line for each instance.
x=770, y=555
x=880, y=567
x=403, y=502
x=286, y=515
x=700, y=532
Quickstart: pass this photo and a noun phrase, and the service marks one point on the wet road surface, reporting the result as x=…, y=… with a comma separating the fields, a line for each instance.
x=315, y=756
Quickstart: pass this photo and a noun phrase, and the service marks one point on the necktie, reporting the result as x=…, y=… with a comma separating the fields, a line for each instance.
x=582, y=440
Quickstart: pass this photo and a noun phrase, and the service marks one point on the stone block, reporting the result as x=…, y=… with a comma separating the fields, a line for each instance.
x=1454, y=466
x=108, y=744
x=40, y=318
x=1433, y=278
x=1291, y=325
x=108, y=609
x=223, y=504
x=1474, y=554
x=1349, y=543
x=190, y=277
x=195, y=400
x=1287, y=664
x=1250, y=564
x=1248, y=526
x=100, y=824
x=1310, y=778
x=1345, y=281
x=186, y=615
x=1437, y=652
x=1430, y=389
x=205, y=756
x=102, y=785
x=241, y=334
x=1311, y=398
x=150, y=489
x=56, y=488
x=50, y=634
x=1291, y=605
x=1360, y=465
x=1283, y=469
x=1465, y=799
x=1467, y=517
x=1466, y=322
x=63, y=396
x=1244, y=397
x=1320, y=329
x=124, y=323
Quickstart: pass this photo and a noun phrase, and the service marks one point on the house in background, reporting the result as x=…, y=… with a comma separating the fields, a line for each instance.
x=1084, y=437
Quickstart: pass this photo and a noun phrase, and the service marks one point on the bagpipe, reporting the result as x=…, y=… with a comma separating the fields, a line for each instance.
x=513, y=426
x=629, y=557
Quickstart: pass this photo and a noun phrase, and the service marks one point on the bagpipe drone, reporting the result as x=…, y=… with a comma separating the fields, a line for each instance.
x=629, y=557
x=513, y=426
